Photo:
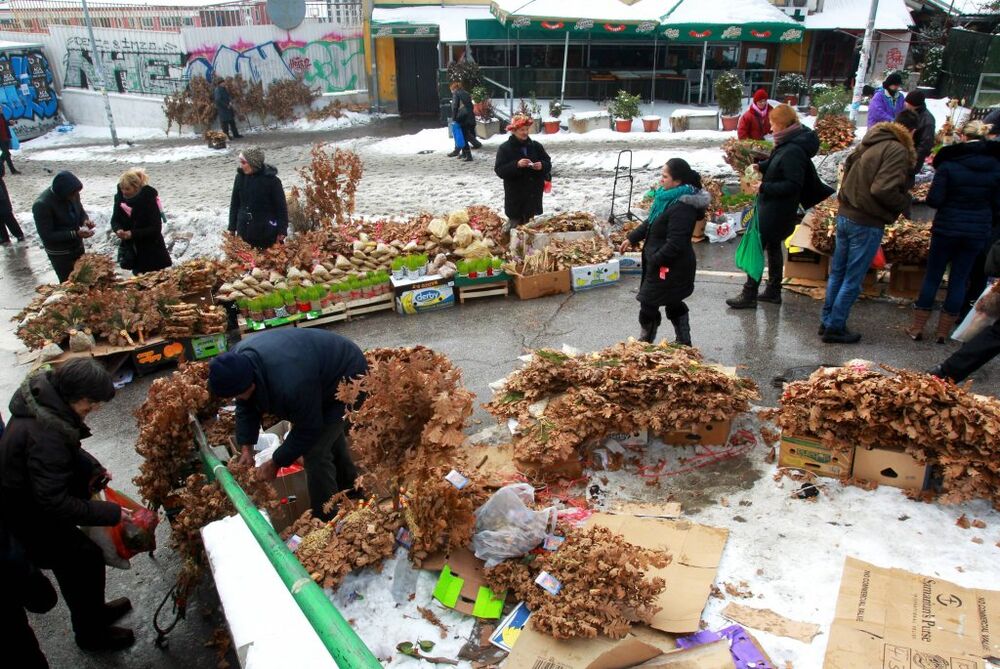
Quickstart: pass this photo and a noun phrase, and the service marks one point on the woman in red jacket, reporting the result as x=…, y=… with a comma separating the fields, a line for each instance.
x=755, y=122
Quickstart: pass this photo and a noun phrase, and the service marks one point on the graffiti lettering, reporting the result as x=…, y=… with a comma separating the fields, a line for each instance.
x=26, y=96
x=130, y=66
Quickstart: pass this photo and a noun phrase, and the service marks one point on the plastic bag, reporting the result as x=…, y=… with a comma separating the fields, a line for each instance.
x=80, y=341
x=721, y=231
x=878, y=262
x=136, y=534
x=750, y=252
x=975, y=321
x=507, y=526
x=456, y=131
x=104, y=538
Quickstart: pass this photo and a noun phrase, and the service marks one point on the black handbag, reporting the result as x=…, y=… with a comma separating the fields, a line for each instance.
x=126, y=254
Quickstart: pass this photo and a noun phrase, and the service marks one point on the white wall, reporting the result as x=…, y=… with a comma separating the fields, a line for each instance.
x=84, y=107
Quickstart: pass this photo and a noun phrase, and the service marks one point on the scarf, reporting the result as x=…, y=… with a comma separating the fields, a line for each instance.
x=760, y=112
x=781, y=136
x=663, y=198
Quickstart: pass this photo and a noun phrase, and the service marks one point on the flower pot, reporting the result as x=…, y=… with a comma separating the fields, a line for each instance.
x=245, y=312
x=730, y=122
x=303, y=307
x=486, y=129
x=791, y=100
x=551, y=127
x=651, y=123
x=422, y=271
x=623, y=125
x=355, y=294
x=398, y=274
x=473, y=275
x=411, y=274
x=269, y=313
x=536, y=125
x=256, y=316
x=280, y=312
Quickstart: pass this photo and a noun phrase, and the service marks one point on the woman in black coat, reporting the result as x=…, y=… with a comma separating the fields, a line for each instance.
x=258, y=211
x=47, y=484
x=137, y=221
x=524, y=166
x=788, y=178
x=668, y=260
x=966, y=194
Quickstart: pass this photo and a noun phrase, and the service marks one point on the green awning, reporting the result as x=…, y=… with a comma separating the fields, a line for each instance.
x=403, y=30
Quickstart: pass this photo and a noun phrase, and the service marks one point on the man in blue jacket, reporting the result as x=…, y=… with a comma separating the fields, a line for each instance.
x=293, y=374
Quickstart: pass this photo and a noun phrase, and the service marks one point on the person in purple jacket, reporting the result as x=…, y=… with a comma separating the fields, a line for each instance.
x=887, y=101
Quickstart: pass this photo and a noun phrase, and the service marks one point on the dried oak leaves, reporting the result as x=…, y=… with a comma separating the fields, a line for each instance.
x=933, y=420
x=561, y=402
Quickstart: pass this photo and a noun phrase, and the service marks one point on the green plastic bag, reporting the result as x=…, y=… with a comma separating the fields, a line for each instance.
x=750, y=252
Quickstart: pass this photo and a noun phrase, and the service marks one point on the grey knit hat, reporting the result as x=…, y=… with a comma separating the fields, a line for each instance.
x=254, y=156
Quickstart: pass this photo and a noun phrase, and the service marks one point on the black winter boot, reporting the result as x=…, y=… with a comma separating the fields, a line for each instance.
x=747, y=299
x=647, y=332
x=771, y=294
x=682, y=328
x=454, y=153
x=466, y=154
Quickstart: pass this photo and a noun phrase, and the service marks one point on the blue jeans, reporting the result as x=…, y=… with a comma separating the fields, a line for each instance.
x=853, y=255
x=961, y=252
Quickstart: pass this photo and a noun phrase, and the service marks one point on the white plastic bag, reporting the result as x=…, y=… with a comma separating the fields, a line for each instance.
x=721, y=231
x=507, y=527
x=974, y=322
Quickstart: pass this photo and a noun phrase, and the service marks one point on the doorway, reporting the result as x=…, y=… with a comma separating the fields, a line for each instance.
x=416, y=77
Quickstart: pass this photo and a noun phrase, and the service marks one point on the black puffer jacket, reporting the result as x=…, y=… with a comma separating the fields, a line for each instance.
x=462, y=110
x=522, y=186
x=141, y=216
x=57, y=220
x=296, y=372
x=923, y=136
x=668, y=244
x=966, y=190
x=258, y=212
x=46, y=478
x=789, y=178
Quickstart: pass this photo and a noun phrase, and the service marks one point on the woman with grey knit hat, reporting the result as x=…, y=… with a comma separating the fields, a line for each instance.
x=258, y=212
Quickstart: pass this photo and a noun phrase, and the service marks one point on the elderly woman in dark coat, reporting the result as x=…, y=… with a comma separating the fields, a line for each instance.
x=668, y=260
x=137, y=222
x=524, y=166
x=966, y=194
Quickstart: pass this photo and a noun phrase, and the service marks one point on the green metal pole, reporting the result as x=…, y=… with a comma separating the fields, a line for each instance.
x=345, y=646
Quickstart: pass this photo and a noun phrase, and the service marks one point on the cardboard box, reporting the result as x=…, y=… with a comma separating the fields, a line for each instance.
x=810, y=454
x=807, y=265
x=542, y=285
x=463, y=565
x=156, y=353
x=534, y=650
x=713, y=433
x=290, y=485
x=629, y=263
x=637, y=438
x=889, y=618
x=586, y=277
x=891, y=467
x=428, y=293
x=906, y=280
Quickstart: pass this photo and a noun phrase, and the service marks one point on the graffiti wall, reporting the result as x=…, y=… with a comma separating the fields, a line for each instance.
x=27, y=97
x=159, y=63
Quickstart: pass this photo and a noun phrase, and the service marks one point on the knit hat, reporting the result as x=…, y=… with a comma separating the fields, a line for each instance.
x=761, y=94
x=520, y=121
x=65, y=184
x=229, y=375
x=254, y=157
x=784, y=115
x=893, y=79
x=916, y=99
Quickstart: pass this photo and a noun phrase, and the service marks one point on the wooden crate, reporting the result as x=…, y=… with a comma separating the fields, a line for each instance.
x=370, y=305
x=333, y=314
x=482, y=290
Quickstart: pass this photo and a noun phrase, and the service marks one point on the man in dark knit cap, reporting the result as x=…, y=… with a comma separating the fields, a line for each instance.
x=62, y=223
x=923, y=138
x=293, y=374
x=887, y=100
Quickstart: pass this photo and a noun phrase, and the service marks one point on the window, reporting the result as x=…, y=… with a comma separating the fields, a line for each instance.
x=757, y=57
x=147, y=23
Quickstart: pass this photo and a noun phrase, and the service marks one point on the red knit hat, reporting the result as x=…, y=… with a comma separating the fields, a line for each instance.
x=761, y=94
x=520, y=121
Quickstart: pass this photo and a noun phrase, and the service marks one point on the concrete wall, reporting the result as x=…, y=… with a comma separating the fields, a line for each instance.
x=84, y=107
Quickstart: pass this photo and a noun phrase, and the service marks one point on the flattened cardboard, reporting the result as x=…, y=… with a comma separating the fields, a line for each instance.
x=768, y=621
x=906, y=280
x=695, y=551
x=799, y=452
x=891, y=467
x=640, y=510
x=713, y=655
x=534, y=650
x=891, y=618
x=712, y=433
x=463, y=564
x=802, y=235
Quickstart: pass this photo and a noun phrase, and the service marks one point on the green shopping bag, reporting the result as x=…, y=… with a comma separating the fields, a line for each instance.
x=750, y=252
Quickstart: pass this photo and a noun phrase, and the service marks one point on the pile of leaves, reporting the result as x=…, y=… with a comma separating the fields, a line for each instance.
x=487, y=221
x=620, y=235
x=920, y=191
x=573, y=221
x=335, y=109
x=303, y=251
x=835, y=131
x=605, y=588
x=192, y=106
x=331, y=182
x=933, y=420
x=216, y=139
x=824, y=225
x=539, y=262
x=577, y=252
x=741, y=153
x=907, y=242
x=562, y=402
x=285, y=96
x=714, y=189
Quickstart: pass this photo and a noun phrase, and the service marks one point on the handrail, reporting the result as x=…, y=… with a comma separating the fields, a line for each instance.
x=345, y=646
x=508, y=94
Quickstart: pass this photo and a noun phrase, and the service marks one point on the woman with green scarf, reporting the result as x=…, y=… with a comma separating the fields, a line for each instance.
x=668, y=260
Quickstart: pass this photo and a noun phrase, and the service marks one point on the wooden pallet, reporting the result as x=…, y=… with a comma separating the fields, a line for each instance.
x=370, y=305
x=482, y=290
x=334, y=314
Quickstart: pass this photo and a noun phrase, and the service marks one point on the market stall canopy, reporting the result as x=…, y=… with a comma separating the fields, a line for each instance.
x=448, y=22
x=677, y=20
x=853, y=15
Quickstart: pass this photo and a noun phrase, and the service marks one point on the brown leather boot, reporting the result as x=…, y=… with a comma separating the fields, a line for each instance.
x=946, y=323
x=920, y=318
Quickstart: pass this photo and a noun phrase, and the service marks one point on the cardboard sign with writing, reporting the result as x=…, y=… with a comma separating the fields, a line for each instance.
x=895, y=619
x=534, y=649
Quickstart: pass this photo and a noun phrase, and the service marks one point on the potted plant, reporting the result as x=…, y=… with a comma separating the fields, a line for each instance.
x=487, y=123
x=398, y=267
x=270, y=306
x=462, y=268
x=497, y=264
x=256, y=309
x=651, y=123
x=729, y=94
x=303, y=302
x=244, y=306
x=551, y=123
x=467, y=72
x=624, y=107
x=316, y=295
x=791, y=85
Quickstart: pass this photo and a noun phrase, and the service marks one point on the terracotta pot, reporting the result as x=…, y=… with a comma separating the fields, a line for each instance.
x=623, y=124
x=791, y=100
x=551, y=127
x=256, y=316
x=268, y=313
x=303, y=307
x=651, y=123
x=730, y=122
